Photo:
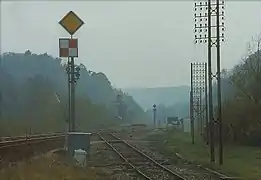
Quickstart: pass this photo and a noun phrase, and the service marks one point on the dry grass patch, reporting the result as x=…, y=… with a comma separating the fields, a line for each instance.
x=50, y=167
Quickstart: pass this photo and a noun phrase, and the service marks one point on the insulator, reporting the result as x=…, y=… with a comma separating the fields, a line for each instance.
x=77, y=68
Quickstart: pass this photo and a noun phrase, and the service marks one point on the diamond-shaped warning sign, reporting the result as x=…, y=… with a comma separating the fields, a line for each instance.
x=71, y=22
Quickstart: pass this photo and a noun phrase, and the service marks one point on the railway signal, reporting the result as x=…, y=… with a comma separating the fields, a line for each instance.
x=68, y=47
x=204, y=12
x=154, y=115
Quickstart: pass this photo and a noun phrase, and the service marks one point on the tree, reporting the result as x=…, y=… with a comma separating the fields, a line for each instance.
x=242, y=113
x=29, y=83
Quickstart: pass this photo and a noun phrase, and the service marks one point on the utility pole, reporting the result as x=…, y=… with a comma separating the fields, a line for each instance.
x=201, y=113
x=219, y=120
x=206, y=105
x=154, y=115
x=198, y=86
x=191, y=105
x=211, y=9
x=192, y=116
x=1, y=91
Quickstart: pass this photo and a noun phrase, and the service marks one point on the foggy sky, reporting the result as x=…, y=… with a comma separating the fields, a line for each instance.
x=136, y=44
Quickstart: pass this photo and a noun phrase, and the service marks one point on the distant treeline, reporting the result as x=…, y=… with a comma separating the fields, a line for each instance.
x=30, y=85
x=241, y=101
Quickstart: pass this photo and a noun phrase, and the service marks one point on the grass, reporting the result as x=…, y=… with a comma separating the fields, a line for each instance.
x=238, y=160
x=50, y=168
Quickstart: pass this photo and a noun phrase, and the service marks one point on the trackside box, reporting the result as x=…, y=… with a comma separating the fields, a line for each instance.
x=79, y=140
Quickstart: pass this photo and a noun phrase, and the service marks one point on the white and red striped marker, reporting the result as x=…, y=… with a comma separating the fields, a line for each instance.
x=68, y=47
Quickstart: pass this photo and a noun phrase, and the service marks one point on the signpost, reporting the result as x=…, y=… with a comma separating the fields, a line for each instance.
x=154, y=115
x=68, y=47
x=71, y=22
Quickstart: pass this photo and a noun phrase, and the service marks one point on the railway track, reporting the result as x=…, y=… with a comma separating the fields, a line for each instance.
x=144, y=165
x=186, y=169
x=13, y=149
x=22, y=140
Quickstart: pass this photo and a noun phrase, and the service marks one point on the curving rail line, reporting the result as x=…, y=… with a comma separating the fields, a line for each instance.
x=145, y=175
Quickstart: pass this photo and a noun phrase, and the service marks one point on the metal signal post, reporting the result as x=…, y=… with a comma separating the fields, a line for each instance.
x=206, y=10
x=154, y=115
x=68, y=47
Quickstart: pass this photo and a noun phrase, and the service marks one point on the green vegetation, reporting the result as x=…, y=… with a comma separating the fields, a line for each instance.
x=241, y=115
x=239, y=160
x=242, y=100
x=28, y=87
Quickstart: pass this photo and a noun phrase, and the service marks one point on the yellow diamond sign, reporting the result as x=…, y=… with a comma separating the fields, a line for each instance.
x=71, y=22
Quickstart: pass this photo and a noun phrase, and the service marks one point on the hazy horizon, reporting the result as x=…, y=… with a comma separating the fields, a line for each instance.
x=136, y=44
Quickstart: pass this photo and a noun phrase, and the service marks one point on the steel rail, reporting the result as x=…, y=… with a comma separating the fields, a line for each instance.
x=34, y=140
x=151, y=159
x=122, y=157
x=6, y=138
x=141, y=153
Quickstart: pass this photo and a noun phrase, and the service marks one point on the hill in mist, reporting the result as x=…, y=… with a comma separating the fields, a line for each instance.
x=29, y=82
x=167, y=96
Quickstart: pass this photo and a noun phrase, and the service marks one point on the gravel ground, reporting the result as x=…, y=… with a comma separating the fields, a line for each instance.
x=102, y=157
x=143, y=164
x=186, y=169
